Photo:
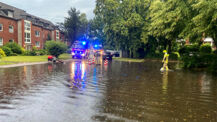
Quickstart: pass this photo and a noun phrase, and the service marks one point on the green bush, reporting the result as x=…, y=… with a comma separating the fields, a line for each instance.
x=41, y=52
x=189, y=49
x=7, y=51
x=2, y=53
x=213, y=65
x=33, y=51
x=14, y=54
x=205, y=48
x=215, y=52
x=174, y=56
x=27, y=53
x=15, y=48
x=23, y=50
x=197, y=61
x=56, y=48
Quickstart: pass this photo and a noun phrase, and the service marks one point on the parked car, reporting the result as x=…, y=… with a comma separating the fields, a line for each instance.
x=107, y=55
x=116, y=54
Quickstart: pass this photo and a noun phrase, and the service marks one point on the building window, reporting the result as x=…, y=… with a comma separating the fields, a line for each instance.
x=11, y=28
x=37, y=33
x=27, y=38
x=37, y=43
x=1, y=41
x=57, y=35
x=11, y=40
x=10, y=14
x=27, y=25
x=1, y=27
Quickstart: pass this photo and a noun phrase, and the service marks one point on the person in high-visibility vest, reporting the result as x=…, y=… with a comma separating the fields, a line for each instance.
x=165, y=61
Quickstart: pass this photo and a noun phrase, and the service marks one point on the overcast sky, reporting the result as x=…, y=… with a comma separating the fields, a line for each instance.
x=53, y=10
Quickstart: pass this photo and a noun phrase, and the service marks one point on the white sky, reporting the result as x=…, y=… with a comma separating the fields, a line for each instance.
x=53, y=10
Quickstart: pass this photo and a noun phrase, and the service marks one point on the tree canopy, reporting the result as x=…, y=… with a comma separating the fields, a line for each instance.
x=130, y=24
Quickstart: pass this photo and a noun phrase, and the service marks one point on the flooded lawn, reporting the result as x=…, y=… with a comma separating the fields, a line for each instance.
x=121, y=91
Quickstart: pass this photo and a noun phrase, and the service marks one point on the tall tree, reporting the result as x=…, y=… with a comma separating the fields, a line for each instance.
x=206, y=19
x=75, y=25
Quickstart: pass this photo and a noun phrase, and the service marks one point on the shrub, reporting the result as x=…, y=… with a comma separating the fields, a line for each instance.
x=2, y=53
x=198, y=61
x=213, y=65
x=7, y=51
x=14, y=54
x=33, y=51
x=27, y=53
x=56, y=48
x=41, y=52
x=215, y=52
x=189, y=49
x=23, y=50
x=174, y=56
x=205, y=48
x=15, y=48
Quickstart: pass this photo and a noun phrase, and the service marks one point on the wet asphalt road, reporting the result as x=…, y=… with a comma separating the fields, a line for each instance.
x=121, y=91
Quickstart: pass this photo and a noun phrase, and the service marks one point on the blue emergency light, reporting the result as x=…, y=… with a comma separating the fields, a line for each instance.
x=84, y=43
x=95, y=46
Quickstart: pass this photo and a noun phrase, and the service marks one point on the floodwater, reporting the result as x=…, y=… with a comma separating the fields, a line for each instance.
x=121, y=91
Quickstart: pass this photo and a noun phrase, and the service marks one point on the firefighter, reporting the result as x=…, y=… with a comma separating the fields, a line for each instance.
x=97, y=57
x=165, y=61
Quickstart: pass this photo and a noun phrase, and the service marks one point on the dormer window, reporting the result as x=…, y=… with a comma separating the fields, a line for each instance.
x=10, y=14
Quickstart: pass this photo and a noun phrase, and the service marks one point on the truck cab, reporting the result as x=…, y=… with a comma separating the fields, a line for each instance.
x=78, y=50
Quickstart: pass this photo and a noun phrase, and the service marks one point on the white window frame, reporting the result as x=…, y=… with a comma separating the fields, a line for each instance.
x=37, y=43
x=27, y=37
x=11, y=30
x=2, y=41
x=2, y=27
x=27, y=26
x=37, y=33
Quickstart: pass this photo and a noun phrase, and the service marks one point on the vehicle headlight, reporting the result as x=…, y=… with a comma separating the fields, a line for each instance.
x=82, y=54
x=73, y=53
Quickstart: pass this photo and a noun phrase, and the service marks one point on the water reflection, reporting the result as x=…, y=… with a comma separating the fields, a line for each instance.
x=120, y=91
x=78, y=75
x=165, y=82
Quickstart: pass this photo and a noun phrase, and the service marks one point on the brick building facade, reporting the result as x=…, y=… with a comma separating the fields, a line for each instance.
x=25, y=29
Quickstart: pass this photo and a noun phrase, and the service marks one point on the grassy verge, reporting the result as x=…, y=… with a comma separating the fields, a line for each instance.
x=31, y=59
x=65, y=56
x=129, y=60
x=5, y=63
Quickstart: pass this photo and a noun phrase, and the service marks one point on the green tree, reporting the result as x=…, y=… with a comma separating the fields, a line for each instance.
x=206, y=19
x=170, y=20
x=75, y=25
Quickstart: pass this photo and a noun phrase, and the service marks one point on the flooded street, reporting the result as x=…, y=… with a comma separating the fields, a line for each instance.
x=121, y=91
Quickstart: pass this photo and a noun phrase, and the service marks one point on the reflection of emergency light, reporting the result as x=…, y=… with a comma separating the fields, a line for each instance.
x=91, y=61
x=106, y=62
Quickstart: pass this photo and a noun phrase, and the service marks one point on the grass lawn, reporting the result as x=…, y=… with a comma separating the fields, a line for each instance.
x=31, y=59
x=5, y=63
x=129, y=60
x=65, y=56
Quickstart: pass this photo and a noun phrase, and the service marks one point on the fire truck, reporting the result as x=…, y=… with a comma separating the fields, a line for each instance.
x=79, y=50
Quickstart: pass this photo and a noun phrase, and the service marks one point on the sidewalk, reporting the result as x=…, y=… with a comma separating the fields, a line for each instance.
x=27, y=64
x=22, y=64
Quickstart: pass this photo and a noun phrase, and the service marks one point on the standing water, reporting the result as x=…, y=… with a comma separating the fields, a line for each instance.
x=121, y=91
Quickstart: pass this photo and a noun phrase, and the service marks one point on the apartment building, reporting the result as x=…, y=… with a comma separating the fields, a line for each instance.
x=27, y=30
